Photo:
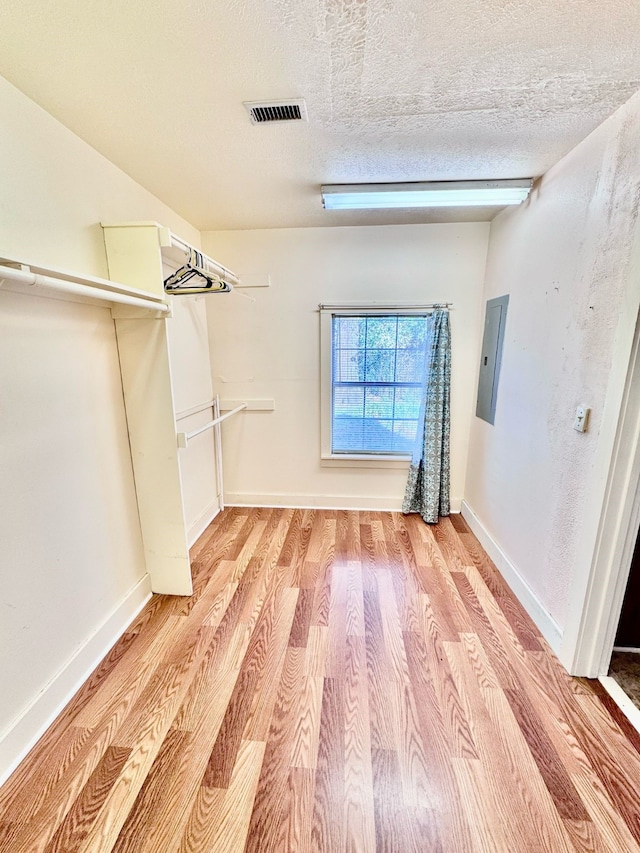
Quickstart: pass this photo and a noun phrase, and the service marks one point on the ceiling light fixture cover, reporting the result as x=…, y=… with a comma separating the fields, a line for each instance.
x=425, y=194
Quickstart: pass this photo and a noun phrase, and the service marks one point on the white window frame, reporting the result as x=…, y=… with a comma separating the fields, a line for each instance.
x=351, y=460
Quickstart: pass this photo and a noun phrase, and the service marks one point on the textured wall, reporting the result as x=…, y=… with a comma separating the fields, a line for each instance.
x=564, y=259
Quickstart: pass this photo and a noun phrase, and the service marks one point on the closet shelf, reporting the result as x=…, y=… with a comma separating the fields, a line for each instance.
x=19, y=277
x=126, y=239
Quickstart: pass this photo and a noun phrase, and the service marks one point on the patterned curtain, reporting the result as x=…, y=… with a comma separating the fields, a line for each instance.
x=427, y=489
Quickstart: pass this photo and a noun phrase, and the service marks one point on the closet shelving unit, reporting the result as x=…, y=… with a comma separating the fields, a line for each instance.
x=142, y=255
x=21, y=277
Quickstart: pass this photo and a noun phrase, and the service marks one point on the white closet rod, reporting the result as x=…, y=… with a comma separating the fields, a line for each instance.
x=211, y=265
x=77, y=289
x=185, y=437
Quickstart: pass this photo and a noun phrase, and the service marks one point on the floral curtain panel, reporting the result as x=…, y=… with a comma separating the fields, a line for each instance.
x=427, y=490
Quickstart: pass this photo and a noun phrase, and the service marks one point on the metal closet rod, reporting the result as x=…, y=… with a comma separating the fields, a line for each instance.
x=383, y=306
x=78, y=289
x=216, y=421
x=212, y=266
x=185, y=437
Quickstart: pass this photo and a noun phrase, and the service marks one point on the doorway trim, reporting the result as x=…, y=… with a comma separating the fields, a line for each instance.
x=631, y=712
x=588, y=640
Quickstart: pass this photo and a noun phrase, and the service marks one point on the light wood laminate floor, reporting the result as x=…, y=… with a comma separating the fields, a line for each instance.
x=339, y=681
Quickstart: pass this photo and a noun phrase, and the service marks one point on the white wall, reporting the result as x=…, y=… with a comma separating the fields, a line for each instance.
x=56, y=190
x=71, y=562
x=270, y=348
x=535, y=485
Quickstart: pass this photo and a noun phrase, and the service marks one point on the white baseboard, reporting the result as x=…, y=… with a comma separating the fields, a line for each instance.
x=630, y=650
x=205, y=518
x=362, y=502
x=24, y=732
x=547, y=626
x=622, y=700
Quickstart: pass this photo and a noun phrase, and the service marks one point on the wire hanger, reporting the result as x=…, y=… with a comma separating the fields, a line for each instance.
x=194, y=278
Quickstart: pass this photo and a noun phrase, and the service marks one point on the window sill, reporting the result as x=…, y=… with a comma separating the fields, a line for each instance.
x=355, y=460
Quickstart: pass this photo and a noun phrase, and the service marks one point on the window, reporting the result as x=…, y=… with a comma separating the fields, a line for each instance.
x=373, y=382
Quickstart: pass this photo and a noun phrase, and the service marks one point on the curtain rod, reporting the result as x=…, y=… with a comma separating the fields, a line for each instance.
x=383, y=306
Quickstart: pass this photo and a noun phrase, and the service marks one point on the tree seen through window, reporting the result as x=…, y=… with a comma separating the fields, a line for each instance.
x=378, y=364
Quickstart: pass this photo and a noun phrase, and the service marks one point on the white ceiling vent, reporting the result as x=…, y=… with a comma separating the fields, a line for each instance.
x=263, y=112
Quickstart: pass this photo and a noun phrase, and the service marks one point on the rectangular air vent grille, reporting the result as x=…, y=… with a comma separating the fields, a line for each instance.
x=262, y=112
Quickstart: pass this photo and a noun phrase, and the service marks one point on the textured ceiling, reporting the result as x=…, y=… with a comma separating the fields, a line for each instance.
x=396, y=90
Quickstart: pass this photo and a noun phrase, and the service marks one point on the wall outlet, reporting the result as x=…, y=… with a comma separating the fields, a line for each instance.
x=581, y=419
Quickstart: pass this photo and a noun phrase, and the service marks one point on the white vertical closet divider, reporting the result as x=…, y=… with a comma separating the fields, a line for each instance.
x=192, y=384
x=218, y=435
x=201, y=450
x=157, y=386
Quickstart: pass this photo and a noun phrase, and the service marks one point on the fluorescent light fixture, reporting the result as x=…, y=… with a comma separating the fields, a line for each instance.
x=425, y=194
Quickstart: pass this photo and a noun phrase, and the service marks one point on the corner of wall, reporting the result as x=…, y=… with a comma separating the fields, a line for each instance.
x=547, y=626
x=24, y=732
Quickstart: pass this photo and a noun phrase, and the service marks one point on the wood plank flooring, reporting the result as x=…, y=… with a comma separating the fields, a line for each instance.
x=340, y=682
